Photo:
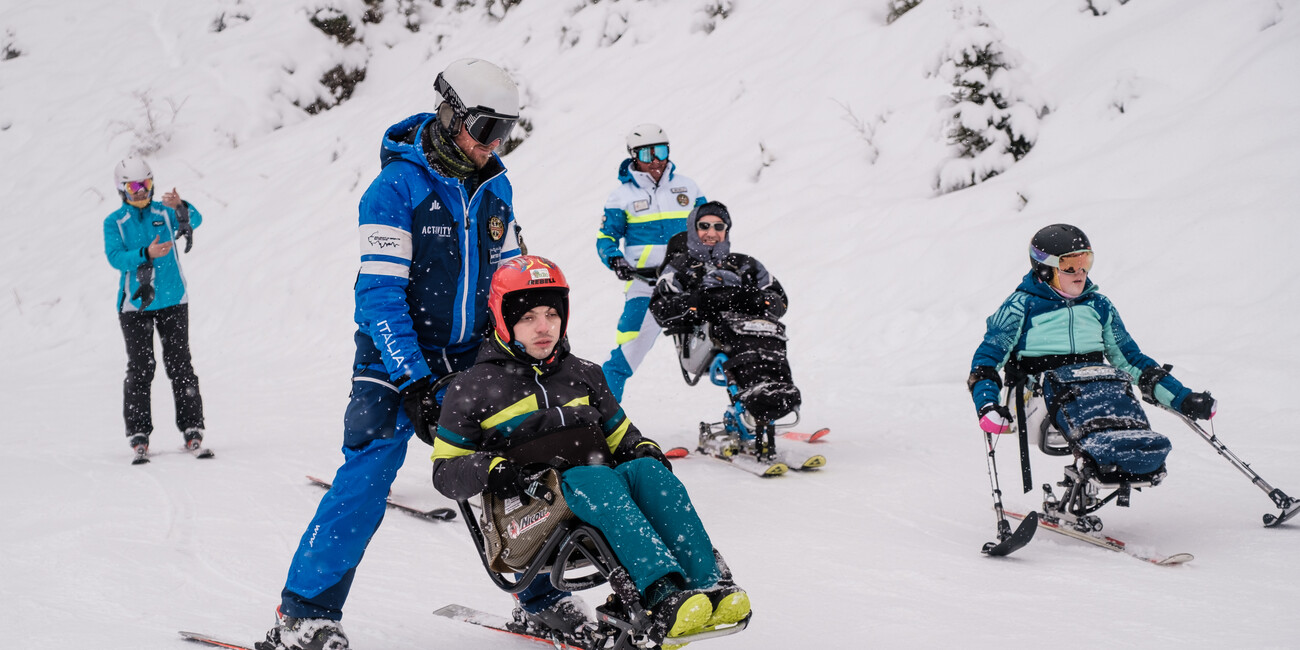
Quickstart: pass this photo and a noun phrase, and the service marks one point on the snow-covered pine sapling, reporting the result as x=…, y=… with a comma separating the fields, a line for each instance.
x=993, y=113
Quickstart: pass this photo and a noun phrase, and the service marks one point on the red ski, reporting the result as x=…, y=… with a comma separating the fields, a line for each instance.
x=806, y=437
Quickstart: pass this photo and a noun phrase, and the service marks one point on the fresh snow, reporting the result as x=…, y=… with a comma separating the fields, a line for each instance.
x=1171, y=139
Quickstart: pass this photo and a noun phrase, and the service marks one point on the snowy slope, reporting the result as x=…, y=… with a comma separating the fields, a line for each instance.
x=1190, y=196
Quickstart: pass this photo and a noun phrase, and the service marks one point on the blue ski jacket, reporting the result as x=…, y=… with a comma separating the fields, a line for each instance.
x=645, y=215
x=128, y=232
x=428, y=251
x=1036, y=321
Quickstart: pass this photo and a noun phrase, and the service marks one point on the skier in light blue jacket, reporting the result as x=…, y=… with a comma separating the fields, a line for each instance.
x=649, y=207
x=151, y=292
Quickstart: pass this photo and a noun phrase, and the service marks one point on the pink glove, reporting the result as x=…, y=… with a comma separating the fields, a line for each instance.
x=995, y=418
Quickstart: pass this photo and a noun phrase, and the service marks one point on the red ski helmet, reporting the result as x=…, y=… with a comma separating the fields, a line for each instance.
x=545, y=284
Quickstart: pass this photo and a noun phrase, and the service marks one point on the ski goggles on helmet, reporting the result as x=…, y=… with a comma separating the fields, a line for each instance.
x=483, y=124
x=487, y=128
x=651, y=153
x=1070, y=263
x=135, y=187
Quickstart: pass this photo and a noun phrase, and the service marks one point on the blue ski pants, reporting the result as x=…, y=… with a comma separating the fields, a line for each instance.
x=646, y=515
x=376, y=432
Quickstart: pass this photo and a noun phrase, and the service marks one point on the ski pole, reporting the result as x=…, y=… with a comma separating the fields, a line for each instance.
x=1289, y=506
x=1008, y=541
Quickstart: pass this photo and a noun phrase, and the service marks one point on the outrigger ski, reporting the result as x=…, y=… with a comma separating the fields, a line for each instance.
x=1104, y=541
x=207, y=640
x=1010, y=542
x=437, y=514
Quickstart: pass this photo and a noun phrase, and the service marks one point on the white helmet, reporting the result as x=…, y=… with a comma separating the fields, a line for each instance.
x=479, y=95
x=131, y=169
x=644, y=135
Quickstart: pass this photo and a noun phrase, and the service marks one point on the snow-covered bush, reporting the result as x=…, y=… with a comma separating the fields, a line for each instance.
x=992, y=116
x=899, y=7
x=714, y=11
x=152, y=129
x=1101, y=7
x=8, y=47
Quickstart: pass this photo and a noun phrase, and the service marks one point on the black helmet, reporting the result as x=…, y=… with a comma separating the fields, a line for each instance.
x=1052, y=243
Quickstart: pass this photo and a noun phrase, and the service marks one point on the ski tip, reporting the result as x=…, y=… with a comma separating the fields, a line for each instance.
x=677, y=452
x=441, y=514
x=1176, y=559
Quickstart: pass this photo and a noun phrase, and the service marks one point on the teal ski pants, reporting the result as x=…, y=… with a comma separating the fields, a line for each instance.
x=646, y=515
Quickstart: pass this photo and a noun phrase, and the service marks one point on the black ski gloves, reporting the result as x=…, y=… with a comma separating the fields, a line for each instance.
x=503, y=480
x=184, y=229
x=649, y=449
x=420, y=400
x=1199, y=406
x=621, y=268
x=144, y=277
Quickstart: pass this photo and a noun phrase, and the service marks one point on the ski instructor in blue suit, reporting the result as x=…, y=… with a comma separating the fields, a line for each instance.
x=434, y=226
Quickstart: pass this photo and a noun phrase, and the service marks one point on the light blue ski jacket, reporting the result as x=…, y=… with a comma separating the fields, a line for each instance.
x=128, y=232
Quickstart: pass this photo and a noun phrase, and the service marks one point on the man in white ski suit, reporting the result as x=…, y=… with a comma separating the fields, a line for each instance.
x=649, y=207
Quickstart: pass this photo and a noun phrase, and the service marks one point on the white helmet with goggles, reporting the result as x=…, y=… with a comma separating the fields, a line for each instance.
x=647, y=142
x=480, y=96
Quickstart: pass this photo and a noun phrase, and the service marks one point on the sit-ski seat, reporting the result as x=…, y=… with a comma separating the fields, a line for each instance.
x=578, y=557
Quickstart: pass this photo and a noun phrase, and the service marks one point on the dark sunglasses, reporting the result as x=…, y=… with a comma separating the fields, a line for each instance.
x=704, y=225
x=652, y=153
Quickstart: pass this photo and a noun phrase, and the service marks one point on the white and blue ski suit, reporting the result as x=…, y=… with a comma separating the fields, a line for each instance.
x=428, y=252
x=644, y=215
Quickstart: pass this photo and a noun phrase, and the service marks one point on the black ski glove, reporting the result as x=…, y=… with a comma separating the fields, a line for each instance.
x=184, y=229
x=144, y=277
x=621, y=268
x=1199, y=406
x=420, y=400
x=503, y=480
x=649, y=449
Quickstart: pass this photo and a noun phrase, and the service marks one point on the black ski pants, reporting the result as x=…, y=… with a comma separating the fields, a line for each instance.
x=173, y=325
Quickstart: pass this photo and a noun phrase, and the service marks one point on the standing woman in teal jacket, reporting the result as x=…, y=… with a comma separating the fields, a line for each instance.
x=138, y=240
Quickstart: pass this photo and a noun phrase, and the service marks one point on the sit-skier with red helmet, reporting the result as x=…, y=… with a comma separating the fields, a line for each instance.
x=527, y=390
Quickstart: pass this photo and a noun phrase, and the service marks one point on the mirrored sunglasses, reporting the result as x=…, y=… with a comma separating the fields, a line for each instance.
x=135, y=187
x=704, y=225
x=487, y=128
x=652, y=153
x=1075, y=263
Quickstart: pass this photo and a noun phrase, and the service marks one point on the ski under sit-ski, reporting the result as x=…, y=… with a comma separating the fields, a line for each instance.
x=437, y=514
